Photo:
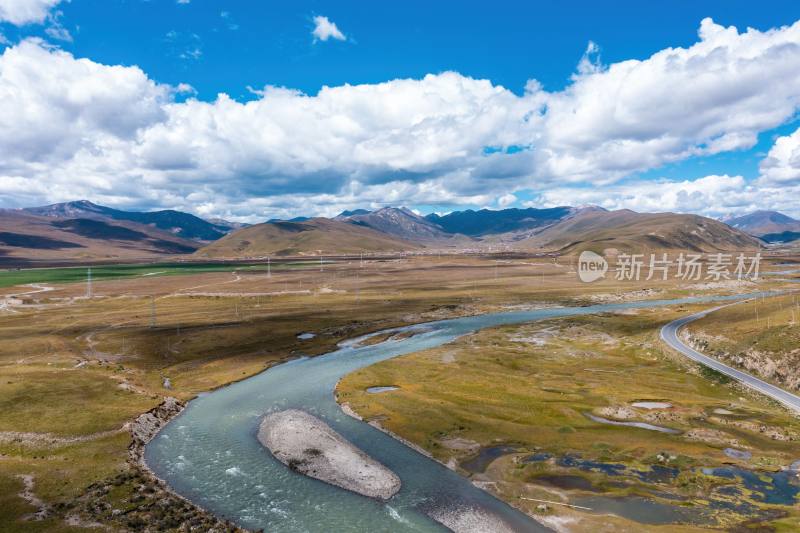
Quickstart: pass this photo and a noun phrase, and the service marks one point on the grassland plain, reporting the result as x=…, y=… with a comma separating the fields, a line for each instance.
x=74, y=371
x=74, y=274
x=510, y=407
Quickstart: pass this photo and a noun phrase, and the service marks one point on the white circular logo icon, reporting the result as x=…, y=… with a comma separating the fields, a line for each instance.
x=591, y=266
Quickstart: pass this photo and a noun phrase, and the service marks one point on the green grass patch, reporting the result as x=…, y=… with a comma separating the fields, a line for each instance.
x=714, y=375
x=10, y=278
x=532, y=385
x=66, y=401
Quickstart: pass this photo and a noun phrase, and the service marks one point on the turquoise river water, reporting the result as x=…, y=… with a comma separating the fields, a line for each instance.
x=210, y=454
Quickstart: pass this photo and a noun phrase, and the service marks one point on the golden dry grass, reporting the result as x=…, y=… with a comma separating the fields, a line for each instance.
x=530, y=387
x=73, y=367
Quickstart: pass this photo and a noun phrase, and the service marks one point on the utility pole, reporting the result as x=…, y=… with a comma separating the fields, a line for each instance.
x=89, y=282
x=269, y=268
x=361, y=264
x=152, y=312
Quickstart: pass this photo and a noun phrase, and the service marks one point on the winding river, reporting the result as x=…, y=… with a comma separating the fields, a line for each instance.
x=210, y=455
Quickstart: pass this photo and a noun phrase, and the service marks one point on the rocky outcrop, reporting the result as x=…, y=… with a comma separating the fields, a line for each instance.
x=782, y=368
x=146, y=425
x=309, y=446
x=151, y=506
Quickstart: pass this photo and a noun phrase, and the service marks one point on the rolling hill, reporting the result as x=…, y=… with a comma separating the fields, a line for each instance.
x=782, y=237
x=27, y=238
x=183, y=225
x=627, y=230
x=311, y=237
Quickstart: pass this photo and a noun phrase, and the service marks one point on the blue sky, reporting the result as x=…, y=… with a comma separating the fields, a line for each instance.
x=262, y=43
x=238, y=47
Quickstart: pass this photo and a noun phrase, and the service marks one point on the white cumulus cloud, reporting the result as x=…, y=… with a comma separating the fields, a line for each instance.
x=782, y=164
x=71, y=127
x=711, y=97
x=506, y=200
x=325, y=29
x=714, y=195
x=19, y=12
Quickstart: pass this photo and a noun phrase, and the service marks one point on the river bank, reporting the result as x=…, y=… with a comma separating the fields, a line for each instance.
x=158, y=505
x=514, y=390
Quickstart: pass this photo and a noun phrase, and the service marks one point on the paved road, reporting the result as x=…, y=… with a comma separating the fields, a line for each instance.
x=669, y=334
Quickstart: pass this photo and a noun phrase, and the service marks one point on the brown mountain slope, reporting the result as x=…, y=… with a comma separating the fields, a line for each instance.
x=28, y=238
x=402, y=223
x=760, y=223
x=630, y=231
x=310, y=237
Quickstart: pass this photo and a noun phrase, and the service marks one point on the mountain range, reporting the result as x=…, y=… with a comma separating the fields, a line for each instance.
x=561, y=229
x=183, y=225
x=398, y=222
x=82, y=230
x=770, y=226
x=488, y=222
x=26, y=238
